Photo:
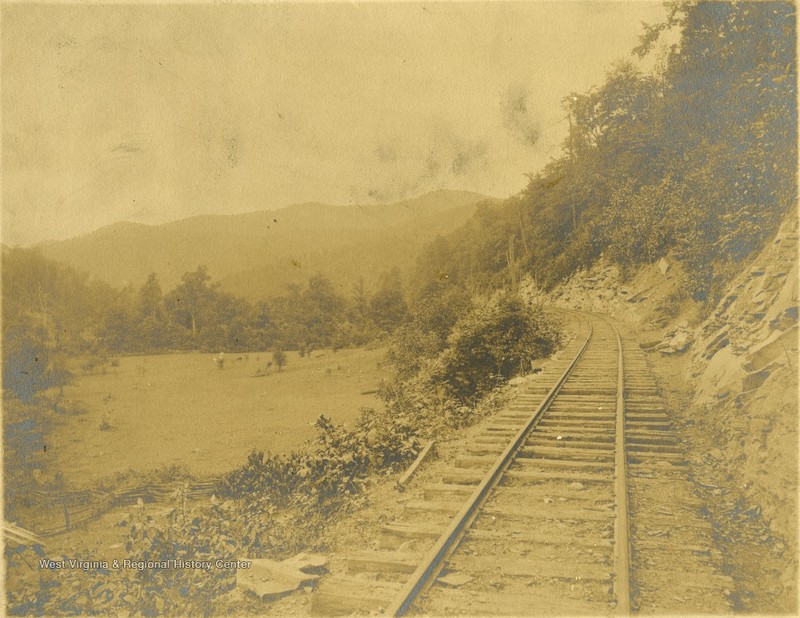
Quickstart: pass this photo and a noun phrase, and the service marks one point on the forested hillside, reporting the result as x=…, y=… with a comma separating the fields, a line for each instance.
x=696, y=160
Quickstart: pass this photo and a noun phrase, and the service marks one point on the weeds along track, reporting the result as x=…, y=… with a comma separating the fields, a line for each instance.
x=575, y=499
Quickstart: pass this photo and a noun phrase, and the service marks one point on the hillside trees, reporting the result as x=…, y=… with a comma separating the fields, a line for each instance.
x=696, y=160
x=32, y=363
x=731, y=103
x=48, y=311
x=477, y=255
x=62, y=301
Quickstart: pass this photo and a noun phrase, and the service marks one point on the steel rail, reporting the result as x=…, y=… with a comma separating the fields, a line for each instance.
x=431, y=564
x=622, y=587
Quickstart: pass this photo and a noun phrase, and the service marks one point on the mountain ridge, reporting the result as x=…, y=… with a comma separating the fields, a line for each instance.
x=258, y=253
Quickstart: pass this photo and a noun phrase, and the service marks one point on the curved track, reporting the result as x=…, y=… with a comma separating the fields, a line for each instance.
x=574, y=500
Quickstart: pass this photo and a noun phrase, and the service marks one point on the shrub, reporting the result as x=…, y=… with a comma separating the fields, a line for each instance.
x=435, y=313
x=279, y=358
x=336, y=466
x=205, y=533
x=493, y=343
x=435, y=411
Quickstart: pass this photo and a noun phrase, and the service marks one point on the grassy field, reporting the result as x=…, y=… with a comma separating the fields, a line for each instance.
x=182, y=409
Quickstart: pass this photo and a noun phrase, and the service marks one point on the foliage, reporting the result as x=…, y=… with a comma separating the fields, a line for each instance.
x=274, y=507
x=438, y=308
x=452, y=355
x=197, y=315
x=436, y=413
x=388, y=306
x=32, y=362
x=279, y=358
x=47, y=312
x=40, y=293
x=335, y=468
x=493, y=343
x=52, y=312
x=696, y=159
x=203, y=533
x=25, y=425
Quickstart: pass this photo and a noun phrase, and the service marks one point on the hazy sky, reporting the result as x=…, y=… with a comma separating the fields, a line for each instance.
x=154, y=113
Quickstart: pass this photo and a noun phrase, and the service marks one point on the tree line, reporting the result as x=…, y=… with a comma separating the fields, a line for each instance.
x=198, y=315
x=51, y=313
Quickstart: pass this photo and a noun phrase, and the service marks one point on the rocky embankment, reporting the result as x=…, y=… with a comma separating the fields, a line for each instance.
x=730, y=375
x=745, y=411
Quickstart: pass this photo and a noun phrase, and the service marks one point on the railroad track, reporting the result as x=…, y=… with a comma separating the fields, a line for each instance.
x=575, y=499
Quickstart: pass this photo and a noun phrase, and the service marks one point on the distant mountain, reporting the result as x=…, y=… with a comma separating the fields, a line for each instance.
x=257, y=254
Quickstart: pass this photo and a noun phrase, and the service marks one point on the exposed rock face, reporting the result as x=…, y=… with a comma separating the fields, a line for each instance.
x=652, y=297
x=753, y=331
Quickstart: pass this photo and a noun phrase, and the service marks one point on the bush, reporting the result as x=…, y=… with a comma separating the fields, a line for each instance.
x=203, y=533
x=493, y=343
x=436, y=413
x=335, y=468
x=435, y=313
x=279, y=358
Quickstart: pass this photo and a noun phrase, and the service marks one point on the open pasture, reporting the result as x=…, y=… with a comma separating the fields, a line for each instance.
x=182, y=409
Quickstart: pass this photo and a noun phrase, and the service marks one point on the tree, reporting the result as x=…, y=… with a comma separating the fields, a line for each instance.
x=279, y=358
x=190, y=301
x=151, y=319
x=117, y=331
x=388, y=305
x=321, y=311
x=697, y=159
x=150, y=300
x=359, y=306
x=264, y=327
x=439, y=306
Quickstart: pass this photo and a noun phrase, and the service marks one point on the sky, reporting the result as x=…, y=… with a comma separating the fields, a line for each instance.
x=152, y=113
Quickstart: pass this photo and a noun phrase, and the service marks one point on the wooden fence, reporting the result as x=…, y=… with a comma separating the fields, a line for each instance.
x=62, y=512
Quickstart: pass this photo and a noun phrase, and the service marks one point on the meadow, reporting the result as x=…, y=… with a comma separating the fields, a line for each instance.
x=182, y=409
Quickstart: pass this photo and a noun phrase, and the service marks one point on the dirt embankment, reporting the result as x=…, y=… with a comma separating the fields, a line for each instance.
x=729, y=374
